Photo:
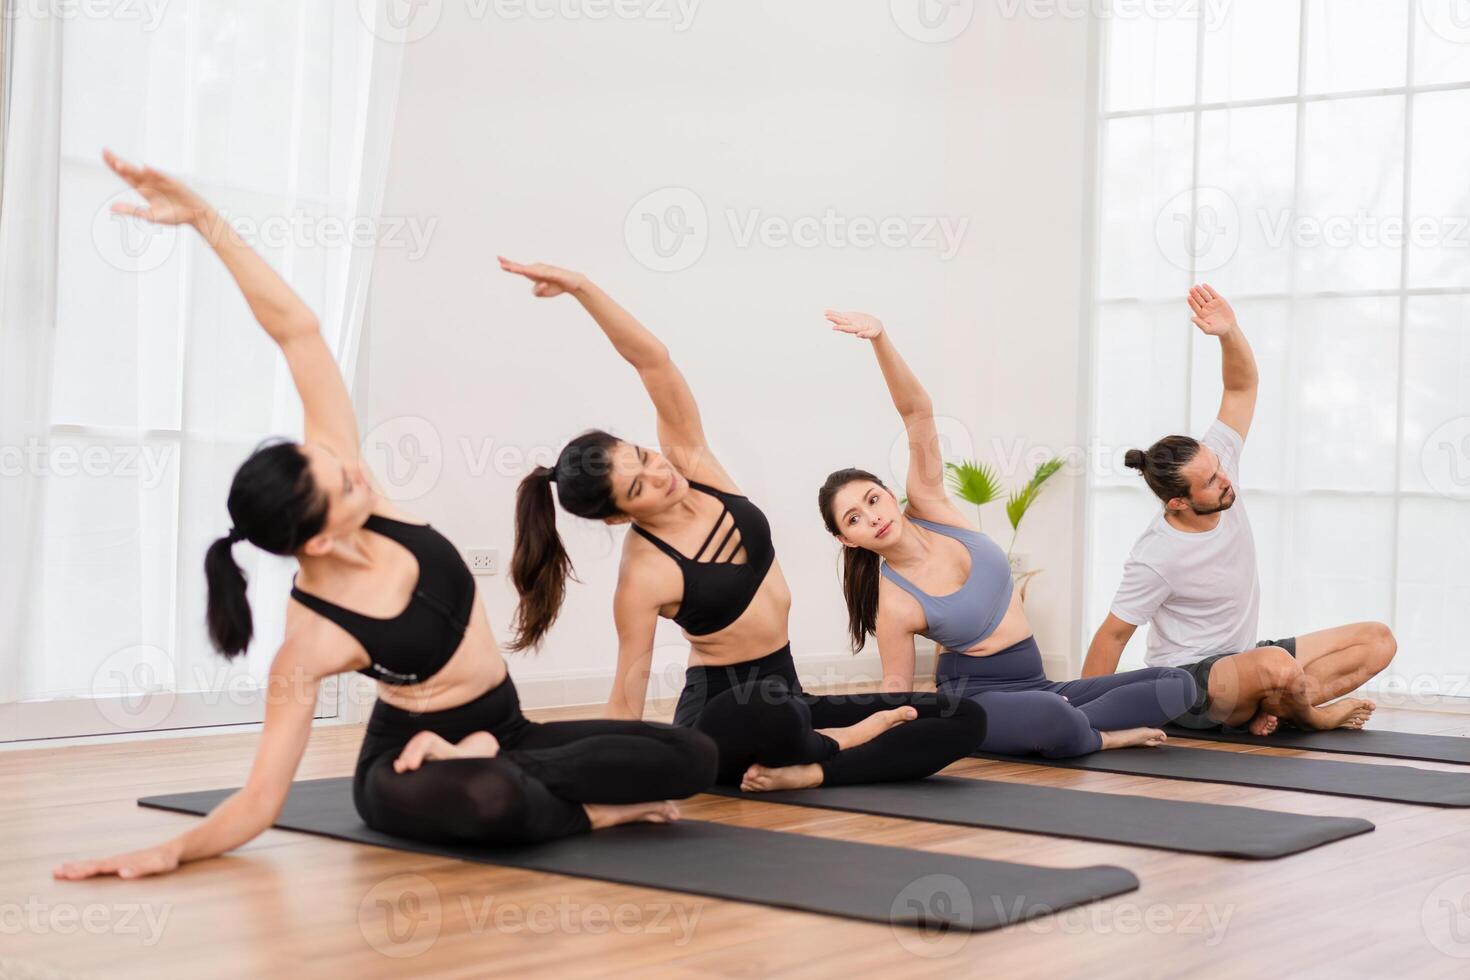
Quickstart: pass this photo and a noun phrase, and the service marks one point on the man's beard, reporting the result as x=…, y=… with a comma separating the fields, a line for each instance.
x=1224, y=504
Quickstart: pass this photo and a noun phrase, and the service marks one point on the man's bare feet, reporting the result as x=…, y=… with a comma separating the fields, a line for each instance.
x=604, y=815
x=870, y=727
x=1345, y=713
x=760, y=779
x=1132, y=736
x=1263, y=723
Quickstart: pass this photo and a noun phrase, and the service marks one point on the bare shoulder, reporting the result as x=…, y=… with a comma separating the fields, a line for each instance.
x=897, y=608
x=644, y=570
x=317, y=645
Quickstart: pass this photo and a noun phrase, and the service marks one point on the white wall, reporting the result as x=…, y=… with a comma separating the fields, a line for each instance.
x=534, y=138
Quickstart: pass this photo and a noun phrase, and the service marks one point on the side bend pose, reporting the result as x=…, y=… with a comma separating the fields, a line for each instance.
x=1192, y=577
x=924, y=571
x=448, y=754
x=702, y=556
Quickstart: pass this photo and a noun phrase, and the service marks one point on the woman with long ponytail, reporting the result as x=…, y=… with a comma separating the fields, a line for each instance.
x=922, y=570
x=700, y=553
x=391, y=598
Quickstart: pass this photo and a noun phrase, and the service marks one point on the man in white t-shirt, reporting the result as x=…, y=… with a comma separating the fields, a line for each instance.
x=1192, y=577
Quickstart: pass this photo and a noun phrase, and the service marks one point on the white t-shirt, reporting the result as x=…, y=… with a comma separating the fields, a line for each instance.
x=1199, y=592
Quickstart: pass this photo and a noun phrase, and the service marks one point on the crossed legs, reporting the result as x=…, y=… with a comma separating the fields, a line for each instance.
x=1259, y=687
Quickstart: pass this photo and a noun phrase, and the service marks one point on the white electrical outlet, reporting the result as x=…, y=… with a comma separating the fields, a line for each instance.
x=483, y=561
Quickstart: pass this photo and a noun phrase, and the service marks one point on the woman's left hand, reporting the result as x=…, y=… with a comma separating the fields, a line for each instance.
x=864, y=326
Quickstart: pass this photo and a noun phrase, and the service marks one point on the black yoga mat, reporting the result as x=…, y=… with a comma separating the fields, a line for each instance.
x=1396, y=784
x=1170, y=825
x=795, y=871
x=1394, y=745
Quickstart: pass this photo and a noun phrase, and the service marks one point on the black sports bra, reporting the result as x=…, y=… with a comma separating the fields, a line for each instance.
x=416, y=644
x=716, y=590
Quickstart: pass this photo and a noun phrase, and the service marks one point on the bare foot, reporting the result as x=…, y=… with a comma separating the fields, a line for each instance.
x=602, y=815
x=870, y=727
x=480, y=745
x=1132, y=736
x=1263, y=723
x=760, y=779
x=1346, y=713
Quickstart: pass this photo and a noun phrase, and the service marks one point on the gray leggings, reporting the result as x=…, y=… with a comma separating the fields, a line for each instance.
x=1026, y=714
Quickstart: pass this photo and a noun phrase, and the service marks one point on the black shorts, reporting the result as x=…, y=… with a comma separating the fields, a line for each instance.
x=1196, y=717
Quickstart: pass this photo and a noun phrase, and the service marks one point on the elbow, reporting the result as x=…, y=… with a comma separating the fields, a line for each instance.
x=921, y=407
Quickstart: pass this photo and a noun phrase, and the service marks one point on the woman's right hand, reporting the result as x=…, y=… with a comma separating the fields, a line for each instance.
x=169, y=200
x=864, y=326
x=135, y=864
x=550, y=280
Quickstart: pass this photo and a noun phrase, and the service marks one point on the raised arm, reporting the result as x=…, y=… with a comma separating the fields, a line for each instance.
x=925, y=483
x=288, y=321
x=680, y=428
x=290, y=705
x=1213, y=315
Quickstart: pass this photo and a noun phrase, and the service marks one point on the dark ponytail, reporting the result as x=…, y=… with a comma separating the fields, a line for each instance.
x=859, y=565
x=539, y=564
x=1161, y=464
x=275, y=506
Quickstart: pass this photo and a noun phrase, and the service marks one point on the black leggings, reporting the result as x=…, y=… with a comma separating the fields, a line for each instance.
x=756, y=712
x=533, y=790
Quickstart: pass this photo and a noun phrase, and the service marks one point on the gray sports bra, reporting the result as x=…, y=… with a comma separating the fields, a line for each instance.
x=963, y=618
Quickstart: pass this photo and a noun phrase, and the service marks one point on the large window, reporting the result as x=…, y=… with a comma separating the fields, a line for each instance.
x=1311, y=160
x=159, y=382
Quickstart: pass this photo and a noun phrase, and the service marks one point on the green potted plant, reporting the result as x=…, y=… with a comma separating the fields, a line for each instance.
x=977, y=483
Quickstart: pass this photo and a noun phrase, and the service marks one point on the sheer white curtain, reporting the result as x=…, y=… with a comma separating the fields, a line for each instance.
x=1311, y=160
x=160, y=382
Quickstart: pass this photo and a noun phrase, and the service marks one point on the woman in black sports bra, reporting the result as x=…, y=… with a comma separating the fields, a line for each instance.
x=448, y=754
x=702, y=556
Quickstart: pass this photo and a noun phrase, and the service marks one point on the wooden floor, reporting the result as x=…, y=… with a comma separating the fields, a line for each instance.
x=1393, y=902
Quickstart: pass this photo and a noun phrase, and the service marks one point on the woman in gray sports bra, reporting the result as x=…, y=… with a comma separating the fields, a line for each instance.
x=900, y=570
